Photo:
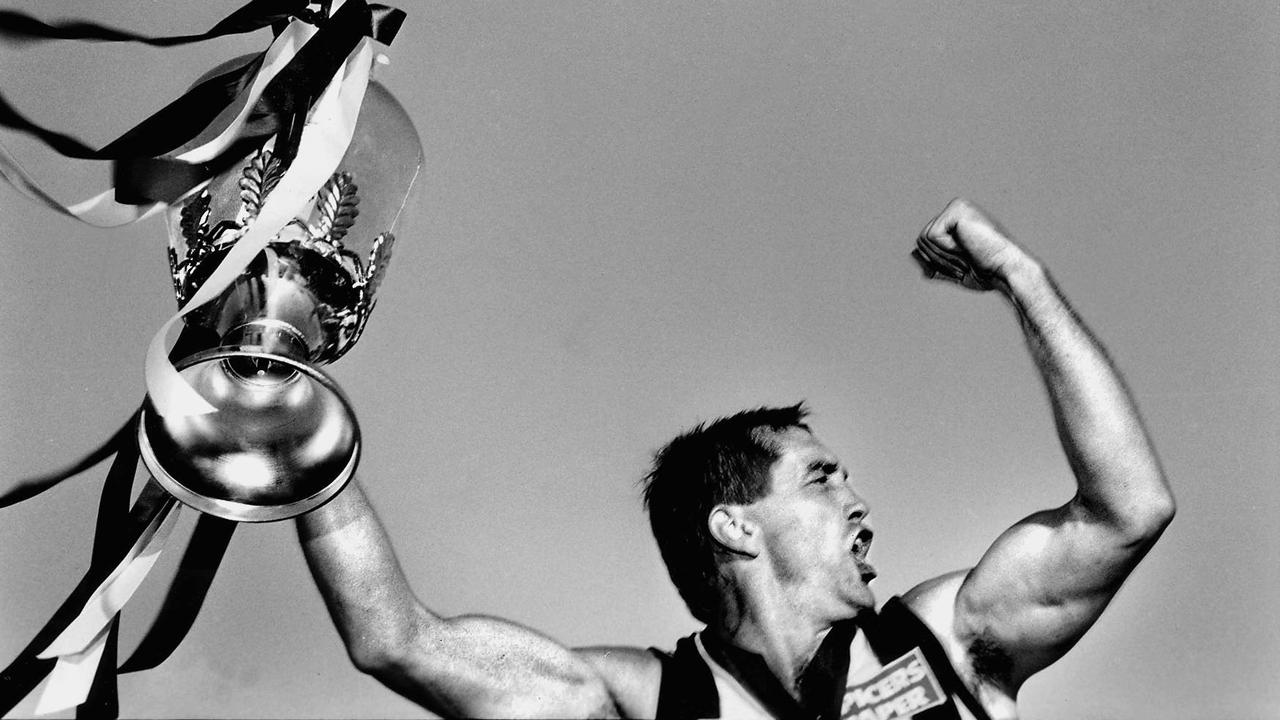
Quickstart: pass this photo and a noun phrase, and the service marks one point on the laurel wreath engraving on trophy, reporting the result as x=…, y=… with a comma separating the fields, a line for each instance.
x=336, y=207
x=331, y=219
x=260, y=177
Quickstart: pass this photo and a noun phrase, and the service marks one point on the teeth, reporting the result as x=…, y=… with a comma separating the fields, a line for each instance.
x=861, y=542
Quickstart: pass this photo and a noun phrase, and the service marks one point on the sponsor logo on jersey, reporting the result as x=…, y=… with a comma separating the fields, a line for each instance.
x=903, y=688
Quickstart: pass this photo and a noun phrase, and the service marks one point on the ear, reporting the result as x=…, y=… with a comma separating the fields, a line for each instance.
x=732, y=530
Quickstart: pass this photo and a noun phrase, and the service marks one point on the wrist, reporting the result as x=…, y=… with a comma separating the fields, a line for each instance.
x=1031, y=289
x=1023, y=277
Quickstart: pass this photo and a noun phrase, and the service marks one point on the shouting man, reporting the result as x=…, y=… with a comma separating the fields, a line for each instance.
x=766, y=540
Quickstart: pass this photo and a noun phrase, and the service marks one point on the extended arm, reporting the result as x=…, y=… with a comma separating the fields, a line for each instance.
x=1047, y=579
x=469, y=666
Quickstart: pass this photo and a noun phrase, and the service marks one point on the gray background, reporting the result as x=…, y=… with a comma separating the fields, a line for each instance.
x=640, y=216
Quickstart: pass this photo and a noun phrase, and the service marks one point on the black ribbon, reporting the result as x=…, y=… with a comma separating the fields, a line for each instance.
x=141, y=176
x=30, y=488
x=114, y=536
x=118, y=528
x=103, y=699
x=186, y=593
x=190, y=341
x=254, y=15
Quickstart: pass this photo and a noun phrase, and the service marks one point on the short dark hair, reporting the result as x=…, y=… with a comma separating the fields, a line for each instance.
x=726, y=461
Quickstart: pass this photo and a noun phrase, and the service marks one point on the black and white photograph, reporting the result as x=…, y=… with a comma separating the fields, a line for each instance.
x=858, y=361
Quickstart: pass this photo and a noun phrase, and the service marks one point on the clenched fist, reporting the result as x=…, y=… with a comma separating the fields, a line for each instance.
x=966, y=246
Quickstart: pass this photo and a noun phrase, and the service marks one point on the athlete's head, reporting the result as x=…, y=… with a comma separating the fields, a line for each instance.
x=726, y=461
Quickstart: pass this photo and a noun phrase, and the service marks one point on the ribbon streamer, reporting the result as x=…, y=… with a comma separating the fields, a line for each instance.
x=237, y=111
x=252, y=16
x=72, y=677
x=119, y=586
x=116, y=529
x=143, y=178
x=190, y=341
x=78, y=649
x=186, y=594
x=104, y=695
x=322, y=146
x=34, y=486
x=27, y=670
x=105, y=210
x=110, y=537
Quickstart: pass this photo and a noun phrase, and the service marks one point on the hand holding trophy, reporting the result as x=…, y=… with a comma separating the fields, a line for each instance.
x=285, y=178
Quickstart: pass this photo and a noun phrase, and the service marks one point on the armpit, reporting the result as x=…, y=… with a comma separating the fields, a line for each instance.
x=990, y=661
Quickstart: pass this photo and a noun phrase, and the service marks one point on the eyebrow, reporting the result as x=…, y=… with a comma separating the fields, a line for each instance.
x=823, y=465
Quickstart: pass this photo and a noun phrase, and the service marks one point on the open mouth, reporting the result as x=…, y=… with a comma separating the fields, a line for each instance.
x=861, y=546
x=862, y=543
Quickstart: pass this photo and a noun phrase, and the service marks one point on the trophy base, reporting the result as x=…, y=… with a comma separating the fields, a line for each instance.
x=284, y=439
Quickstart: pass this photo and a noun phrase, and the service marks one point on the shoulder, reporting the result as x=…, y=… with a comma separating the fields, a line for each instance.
x=632, y=675
x=934, y=602
x=937, y=603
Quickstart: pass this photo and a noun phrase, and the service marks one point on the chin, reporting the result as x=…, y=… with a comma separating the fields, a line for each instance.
x=858, y=601
x=864, y=599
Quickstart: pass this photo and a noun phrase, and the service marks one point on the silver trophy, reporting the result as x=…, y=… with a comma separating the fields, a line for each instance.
x=284, y=439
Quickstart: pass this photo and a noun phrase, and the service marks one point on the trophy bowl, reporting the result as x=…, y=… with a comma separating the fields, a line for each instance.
x=284, y=438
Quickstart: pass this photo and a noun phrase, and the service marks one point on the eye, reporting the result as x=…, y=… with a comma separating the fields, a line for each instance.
x=822, y=474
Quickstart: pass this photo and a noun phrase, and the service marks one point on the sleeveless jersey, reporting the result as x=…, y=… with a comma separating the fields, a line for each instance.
x=894, y=669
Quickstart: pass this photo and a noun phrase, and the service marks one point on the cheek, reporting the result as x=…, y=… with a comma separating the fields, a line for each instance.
x=791, y=569
x=799, y=552
x=804, y=540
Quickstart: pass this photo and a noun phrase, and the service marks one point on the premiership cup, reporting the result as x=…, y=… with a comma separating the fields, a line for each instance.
x=284, y=438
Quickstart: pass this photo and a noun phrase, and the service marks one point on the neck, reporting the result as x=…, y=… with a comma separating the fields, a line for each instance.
x=776, y=630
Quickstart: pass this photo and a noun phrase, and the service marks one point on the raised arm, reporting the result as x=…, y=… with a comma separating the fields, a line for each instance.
x=1047, y=579
x=468, y=666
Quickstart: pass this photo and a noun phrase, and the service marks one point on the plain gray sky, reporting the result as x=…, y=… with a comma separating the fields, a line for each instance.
x=640, y=216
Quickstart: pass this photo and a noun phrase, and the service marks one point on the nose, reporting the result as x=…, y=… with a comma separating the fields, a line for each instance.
x=858, y=509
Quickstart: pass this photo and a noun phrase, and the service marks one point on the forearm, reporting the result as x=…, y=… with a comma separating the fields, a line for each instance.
x=1117, y=471
x=356, y=570
x=1047, y=578
x=468, y=666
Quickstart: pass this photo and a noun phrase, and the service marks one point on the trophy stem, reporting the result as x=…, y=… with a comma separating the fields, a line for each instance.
x=273, y=337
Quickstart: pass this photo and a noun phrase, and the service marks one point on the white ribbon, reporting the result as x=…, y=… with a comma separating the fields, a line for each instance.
x=102, y=210
x=119, y=586
x=324, y=141
x=72, y=678
x=79, y=647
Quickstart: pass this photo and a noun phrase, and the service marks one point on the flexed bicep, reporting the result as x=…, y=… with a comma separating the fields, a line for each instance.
x=1046, y=580
x=1039, y=587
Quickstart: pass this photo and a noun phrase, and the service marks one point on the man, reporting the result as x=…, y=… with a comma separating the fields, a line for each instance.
x=766, y=540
